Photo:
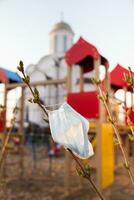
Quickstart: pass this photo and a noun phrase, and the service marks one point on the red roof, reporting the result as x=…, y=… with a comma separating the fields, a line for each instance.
x=7, y=76
x=117, y=77
x=83, y=53
x=3, y=77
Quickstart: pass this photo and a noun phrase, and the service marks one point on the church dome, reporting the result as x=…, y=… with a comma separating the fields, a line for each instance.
x=62, y=26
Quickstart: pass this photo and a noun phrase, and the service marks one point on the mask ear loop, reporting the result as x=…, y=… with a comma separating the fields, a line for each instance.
x=52, y=107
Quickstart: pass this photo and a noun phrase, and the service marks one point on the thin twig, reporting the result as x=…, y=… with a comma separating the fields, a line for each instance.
x=39, y=103
x=129, y=78
x=112, y=121
x=86, y=175
x=129, y=123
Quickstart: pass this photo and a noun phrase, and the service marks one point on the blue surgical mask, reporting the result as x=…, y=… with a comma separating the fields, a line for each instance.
x=70, y=129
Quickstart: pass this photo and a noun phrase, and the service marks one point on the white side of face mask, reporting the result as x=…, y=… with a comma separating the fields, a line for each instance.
x=70, y=129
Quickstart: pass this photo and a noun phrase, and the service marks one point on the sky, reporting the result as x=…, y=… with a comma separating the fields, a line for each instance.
x=25, y=25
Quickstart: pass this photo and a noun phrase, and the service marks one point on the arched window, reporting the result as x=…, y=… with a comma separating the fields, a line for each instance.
x=56, y=43
x=65, y=43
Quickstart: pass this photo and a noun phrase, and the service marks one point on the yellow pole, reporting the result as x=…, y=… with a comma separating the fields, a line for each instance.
x=98, y=130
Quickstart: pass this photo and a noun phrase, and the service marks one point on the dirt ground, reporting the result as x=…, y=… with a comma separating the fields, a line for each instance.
x=44, y=180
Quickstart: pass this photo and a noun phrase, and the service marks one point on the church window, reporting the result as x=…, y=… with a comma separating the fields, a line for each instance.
x=56, y=43
x=65, y=42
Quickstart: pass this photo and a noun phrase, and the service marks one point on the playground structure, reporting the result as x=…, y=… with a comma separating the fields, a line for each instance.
x=87, y=103
x=87, y=57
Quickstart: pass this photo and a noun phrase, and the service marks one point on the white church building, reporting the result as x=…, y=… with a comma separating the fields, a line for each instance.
x=53, y=66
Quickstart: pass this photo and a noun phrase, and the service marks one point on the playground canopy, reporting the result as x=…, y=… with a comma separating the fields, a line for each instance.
x=117, y=78
x=7, y=76
x=83, y=53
